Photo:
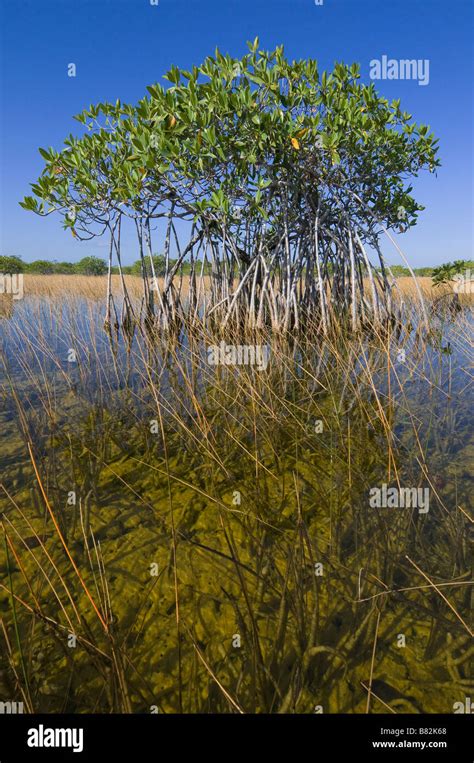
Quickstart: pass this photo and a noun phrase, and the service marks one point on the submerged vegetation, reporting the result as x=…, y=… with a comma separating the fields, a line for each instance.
x=187, y=537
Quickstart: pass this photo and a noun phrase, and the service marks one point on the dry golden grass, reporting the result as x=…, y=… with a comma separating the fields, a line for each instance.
x=95, y=287
x=430, y=292
x=92, y=287
x=407, y=287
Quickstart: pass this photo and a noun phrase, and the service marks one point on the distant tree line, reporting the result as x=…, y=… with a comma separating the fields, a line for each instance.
x=90, y=266
x=95, y=266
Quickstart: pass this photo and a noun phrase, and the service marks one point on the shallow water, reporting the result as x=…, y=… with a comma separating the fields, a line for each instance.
x=258, y=522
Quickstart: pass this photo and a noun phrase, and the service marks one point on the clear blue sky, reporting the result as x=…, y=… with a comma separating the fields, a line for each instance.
x=120, y=46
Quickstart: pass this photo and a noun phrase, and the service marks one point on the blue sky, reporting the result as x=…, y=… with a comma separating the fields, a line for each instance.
x=120, y=46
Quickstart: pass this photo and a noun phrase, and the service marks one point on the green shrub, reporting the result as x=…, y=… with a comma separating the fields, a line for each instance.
x=91, y=266
x=67, y=268
x=43, y=267
x=11, y=264
x=446, y=272
x=159, y=264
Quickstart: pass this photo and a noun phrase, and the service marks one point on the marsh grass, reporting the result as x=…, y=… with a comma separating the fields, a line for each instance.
x=95, y=287
x=277, y=587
